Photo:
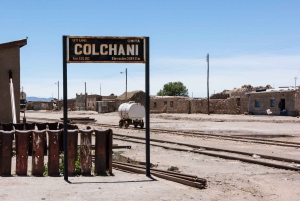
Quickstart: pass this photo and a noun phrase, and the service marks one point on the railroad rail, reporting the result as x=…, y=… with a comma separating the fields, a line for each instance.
x=239, y=138
x=186, y=179
x=266, y=160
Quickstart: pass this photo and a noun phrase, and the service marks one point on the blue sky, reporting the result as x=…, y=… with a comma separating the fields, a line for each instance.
x=249, y=42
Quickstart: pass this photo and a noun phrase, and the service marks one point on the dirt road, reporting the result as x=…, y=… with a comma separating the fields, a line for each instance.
x=227, y=179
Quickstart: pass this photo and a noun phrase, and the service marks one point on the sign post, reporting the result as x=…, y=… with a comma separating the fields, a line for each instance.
x=87, y=49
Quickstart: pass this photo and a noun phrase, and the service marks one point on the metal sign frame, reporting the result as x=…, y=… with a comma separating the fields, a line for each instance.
x=105, y=49
x=146, y=60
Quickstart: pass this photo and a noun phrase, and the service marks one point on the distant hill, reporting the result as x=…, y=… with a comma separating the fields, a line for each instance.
x=32, y=98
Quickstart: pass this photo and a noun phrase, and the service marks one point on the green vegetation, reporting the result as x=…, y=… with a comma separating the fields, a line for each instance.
x=173, y=89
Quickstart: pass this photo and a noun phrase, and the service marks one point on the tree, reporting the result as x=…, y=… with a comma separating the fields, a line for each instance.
x=173, y=89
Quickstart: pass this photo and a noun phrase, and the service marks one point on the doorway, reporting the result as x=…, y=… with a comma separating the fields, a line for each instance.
x=282, y=105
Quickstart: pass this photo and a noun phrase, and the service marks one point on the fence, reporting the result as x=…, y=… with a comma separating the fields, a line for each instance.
x=24, y=141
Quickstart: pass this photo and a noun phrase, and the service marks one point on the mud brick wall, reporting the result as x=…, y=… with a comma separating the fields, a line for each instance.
x=190, y=105
x=244, y=105
x=169, y=105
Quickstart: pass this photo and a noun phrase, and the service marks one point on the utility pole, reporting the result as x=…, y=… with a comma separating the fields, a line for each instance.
x=126, y=86
x=295, y=82
x=57, y=95
x=100, y=89
x=207, y=59
x=85, y=95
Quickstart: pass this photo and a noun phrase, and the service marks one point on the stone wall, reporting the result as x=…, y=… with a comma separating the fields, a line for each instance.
x=161, y=104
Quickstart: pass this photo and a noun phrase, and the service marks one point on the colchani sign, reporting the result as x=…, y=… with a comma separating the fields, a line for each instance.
x=81, y=49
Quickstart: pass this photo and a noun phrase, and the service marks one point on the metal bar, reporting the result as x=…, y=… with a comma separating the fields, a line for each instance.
x=38, y=152
x=85, y=151
x=65, y=95
x=162, y=175
x=109, y=151
x=6, y=138
x=121, y=147
x=22, y=138
x=72, y=151
x=176, y=174
x=147, y=101
x=101, y=151
x=54, y=149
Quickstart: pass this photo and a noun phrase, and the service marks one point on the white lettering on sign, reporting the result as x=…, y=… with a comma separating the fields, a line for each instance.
x=107, y=49
x=87, y=49
x=94, y=50
x=77, y=52
x=102, y=51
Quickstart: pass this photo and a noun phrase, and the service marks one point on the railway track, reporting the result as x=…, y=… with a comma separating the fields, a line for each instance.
x=239, y=138
x=260, y=159
x=217, y=136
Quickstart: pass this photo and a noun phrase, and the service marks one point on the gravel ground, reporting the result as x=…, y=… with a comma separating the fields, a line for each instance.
x=227, y=179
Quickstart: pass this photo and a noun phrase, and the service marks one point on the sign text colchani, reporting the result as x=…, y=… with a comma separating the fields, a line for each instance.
x=105, y=49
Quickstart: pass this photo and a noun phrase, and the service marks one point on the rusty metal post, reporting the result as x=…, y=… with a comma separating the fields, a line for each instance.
x=30, y=126
x=22, y=138
x=43, y=126
x=85, y=151
x=38, y=153
x=109, y=151
x=53, y=158
x=101, y=155
x=6, y=138
x=72, y=150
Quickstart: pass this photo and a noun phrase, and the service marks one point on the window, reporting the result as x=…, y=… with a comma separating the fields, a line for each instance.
x=165, y=103
x=272, y=102
x=257, y=103
x=171, y=103
x=155, y=105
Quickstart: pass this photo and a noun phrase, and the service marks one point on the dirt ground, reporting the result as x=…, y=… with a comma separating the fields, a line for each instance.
x=227, y=179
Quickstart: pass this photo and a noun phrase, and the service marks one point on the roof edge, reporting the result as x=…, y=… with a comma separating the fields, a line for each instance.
x=17, y=43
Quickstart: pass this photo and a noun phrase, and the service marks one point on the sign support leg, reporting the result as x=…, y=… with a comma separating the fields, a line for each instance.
x=147, y=102
x=65, y=97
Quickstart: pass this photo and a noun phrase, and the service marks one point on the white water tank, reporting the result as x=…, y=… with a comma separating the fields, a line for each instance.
x=131, y=110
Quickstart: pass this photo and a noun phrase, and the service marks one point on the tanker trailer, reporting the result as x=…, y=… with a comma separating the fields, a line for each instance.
x=131, y=113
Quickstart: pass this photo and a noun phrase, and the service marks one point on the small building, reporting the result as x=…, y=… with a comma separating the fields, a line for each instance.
x=10, y=61
x=89, y=102
x=280, y=101
x=137, y=96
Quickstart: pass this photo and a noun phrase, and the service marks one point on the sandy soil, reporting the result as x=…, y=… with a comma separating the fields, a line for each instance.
x=227, y=179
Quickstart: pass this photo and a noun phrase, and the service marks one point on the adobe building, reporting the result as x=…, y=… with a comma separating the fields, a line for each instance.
x=137, y=96
x=10, y=60
x=281, y=101
x=89, y=102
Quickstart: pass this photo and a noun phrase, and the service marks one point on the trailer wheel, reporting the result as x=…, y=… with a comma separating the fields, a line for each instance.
x=120, y=123
x=126, y=124
x=142, y=125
